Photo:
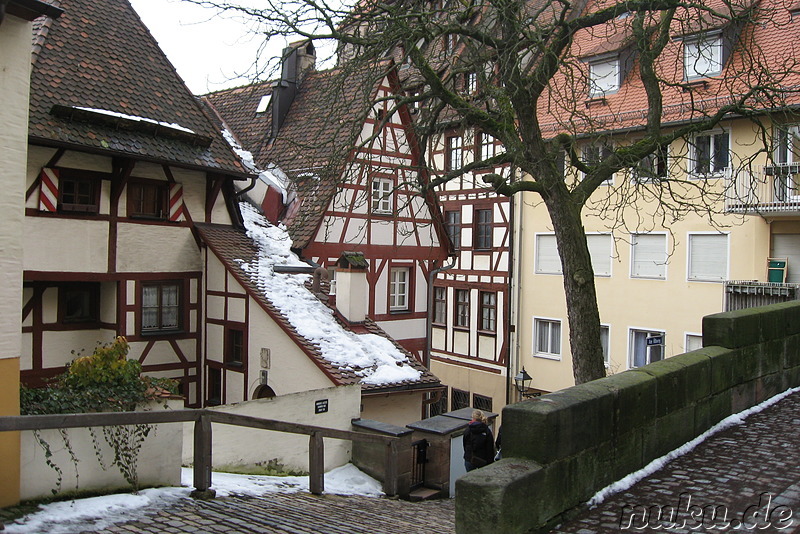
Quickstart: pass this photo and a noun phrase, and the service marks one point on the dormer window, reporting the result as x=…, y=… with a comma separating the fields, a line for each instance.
x=604, y=76
x=263, y=104
x=702, y=56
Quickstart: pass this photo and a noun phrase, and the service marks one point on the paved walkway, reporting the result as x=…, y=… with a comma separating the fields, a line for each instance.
x=743, y=479
x=298, y=513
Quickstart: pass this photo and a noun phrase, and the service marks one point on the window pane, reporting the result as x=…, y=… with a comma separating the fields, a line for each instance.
x=604, y=77
x=604, y=334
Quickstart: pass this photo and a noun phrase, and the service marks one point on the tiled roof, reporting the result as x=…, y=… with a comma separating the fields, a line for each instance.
x=230, y=245
x=315, y=140
x=99, y=55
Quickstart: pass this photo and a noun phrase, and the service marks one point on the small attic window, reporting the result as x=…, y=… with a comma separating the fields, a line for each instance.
x=263, y=104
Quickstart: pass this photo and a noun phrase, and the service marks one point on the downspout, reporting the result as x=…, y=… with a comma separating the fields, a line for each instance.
x=512, y=339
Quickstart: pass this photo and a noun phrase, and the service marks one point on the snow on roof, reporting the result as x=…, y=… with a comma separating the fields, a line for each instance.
x=135, y=118
x=271, y=176
x=372, y=357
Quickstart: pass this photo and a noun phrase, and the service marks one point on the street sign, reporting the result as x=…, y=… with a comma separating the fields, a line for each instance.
x=655, y=340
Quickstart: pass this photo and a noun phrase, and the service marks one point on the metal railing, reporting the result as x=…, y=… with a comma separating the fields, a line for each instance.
x=202, y=437
x=419, y=450
x=775, y=190
x=749, y=294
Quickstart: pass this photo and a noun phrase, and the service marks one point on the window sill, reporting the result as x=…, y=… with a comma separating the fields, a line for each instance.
x=236, y=366
x=399, y=312
x=163, y=333
x=692, y=84
x=382, y=213
x=547, y=356
x=595, y=101
x=490, y=333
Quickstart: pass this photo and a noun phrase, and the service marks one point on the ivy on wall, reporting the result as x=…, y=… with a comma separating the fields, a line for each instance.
x=105, y=381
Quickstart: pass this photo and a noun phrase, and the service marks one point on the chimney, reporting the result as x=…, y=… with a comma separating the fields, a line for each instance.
x=297, y=58
x=351, y=286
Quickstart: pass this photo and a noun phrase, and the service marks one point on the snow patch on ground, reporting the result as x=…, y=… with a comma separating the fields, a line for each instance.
x=98, y=513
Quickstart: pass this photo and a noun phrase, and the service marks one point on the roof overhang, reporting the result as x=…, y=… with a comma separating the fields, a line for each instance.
x=28, y=9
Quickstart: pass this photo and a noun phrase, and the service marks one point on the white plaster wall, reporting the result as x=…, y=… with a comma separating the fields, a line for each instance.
x=291, y=370
x=159, y=462
x=14, y=82
x=66, y=245
x=168, y=248
x=237, y=446
x=398, y=409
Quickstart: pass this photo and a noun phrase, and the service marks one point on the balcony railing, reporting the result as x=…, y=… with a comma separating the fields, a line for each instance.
x=749, y=294
x=774, y=190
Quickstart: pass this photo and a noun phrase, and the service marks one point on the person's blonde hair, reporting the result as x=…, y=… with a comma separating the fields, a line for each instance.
x=477, y=415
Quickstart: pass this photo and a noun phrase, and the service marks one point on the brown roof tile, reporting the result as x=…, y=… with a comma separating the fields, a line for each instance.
x=231, y=245
x=100, y=55
x=315, y=140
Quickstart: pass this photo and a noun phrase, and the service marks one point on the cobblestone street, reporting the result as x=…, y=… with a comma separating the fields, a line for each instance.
x=298, y=513
x=743, y=479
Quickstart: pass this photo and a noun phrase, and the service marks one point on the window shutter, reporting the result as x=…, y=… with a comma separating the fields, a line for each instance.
x=48, y=189
x=175, y=202
x=649, y=256
x=547, y=258
x=708, y=257
x=600, y=251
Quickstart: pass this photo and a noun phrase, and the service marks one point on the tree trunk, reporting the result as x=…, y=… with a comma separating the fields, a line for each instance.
x=582, y=311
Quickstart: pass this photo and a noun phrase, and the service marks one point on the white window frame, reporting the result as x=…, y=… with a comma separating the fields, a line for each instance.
x=638, y=265
x=454, y=150
x=604, y=76
x=486, y=145
x=691, y=335
x=553, y=351
x=702, y=56
x=598, y=150
x=652, y=161
x=470, y=82
x=649, y=350
x=399, y=288
x=601, y=251
x=712, y=172
x=606, y=343
x=381, y=195
x=552, y=265
x=719, y=275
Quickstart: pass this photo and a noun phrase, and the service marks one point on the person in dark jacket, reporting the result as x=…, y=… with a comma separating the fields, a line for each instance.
x=478, y=442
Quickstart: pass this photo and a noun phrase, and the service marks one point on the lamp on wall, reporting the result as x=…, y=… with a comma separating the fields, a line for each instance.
x=523, y=381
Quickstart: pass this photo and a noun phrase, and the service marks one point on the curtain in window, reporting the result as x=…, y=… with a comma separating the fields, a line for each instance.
x=169, y=306
x=149, y=307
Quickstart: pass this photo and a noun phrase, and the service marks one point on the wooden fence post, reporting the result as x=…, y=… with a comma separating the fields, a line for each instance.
x=202, y=458
x=392, y=468
x=316, y=463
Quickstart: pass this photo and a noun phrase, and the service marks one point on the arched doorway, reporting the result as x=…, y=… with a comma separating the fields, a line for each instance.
x=263, y=392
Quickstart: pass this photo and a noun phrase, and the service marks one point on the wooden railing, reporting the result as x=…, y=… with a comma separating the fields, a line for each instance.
x=202, y=437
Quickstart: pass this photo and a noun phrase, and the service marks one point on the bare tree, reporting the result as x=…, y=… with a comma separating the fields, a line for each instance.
x=547, y=78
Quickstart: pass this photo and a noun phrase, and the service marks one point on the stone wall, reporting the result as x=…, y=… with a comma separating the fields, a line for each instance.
x=560, y=449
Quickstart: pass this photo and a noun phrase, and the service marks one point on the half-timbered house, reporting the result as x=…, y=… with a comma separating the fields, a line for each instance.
x=348, y=163
x=271, y=331
x=122, y=161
